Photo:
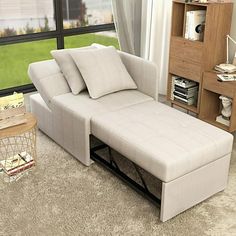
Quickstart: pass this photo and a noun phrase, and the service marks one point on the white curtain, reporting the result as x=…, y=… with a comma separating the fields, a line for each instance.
x=143, y=28
x=127, y=18
x=160, y=39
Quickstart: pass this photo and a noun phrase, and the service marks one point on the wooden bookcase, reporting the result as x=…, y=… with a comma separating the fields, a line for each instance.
x=189, y=59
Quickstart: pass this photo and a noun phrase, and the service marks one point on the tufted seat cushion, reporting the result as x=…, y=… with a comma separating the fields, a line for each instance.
x=165, y=142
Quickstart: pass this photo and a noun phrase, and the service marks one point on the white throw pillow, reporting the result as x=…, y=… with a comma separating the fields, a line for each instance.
x=103, y=71
x=69, y=68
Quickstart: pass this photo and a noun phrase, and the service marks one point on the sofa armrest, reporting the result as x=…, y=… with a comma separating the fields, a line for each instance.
x=143, y=72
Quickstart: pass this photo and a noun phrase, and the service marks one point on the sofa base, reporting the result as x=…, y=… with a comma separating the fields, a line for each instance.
x=192, y=188
x=43, y=113
x=177, y=195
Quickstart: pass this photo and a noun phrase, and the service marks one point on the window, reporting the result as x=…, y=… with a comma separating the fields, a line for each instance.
x=80, y=13
x=30, y=29
x=106, y=38
x=23, y=17
x=15, y=59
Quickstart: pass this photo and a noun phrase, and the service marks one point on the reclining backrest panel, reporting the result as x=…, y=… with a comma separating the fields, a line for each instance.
x=48, y=79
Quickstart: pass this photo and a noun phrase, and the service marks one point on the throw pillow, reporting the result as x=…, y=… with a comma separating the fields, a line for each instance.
x=69, y=68
x=103, y=71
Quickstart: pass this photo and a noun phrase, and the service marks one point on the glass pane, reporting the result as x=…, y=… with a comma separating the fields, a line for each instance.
x=107, y=38
x=78, y=13
x=15, y=59
x=26, y=16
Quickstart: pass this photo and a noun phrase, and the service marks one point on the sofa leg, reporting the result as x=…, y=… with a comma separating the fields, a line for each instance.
x=191, y=189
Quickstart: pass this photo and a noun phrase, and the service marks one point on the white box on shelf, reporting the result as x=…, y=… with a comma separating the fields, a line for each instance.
x=223, y=121
x=194, y=24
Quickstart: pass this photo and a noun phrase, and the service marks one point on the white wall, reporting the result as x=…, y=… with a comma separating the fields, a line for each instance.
x=233, y=32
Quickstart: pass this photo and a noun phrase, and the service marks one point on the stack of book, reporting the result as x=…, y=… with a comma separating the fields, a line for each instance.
x=17, y=164
x=227, y=77
x=226, y=68
x=185, y=91
x=195, y=21
x=12, y=110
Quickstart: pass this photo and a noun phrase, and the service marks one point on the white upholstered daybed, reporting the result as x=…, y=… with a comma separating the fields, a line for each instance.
x=190, y=157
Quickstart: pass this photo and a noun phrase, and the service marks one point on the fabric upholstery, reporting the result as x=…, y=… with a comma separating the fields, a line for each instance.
x=121, y=99
x=165, y=142
x=48, y=79
x=71, y=123
x=69, y=68
x=72, y=114
x=102, y=71
x=143, y=72
x=147, y=90
x=44, y=115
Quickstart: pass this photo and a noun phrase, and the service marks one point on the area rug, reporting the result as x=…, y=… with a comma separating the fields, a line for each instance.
x=63, y=197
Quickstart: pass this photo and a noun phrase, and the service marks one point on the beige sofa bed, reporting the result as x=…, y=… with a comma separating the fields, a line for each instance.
x=190, y=157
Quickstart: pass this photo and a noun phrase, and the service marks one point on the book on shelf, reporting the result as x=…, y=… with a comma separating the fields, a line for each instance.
x=225, y=68
x=189, y=101
x=185, y=83
x=173, y=79
x=184, y=95
x=12, y=110
x=226, y=77
x=195, y=21
x=12, y=101
x=17, y=163
x=187, y=91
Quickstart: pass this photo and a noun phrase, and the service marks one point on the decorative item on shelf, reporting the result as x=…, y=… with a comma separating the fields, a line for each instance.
x=226, y=112
x=195, y=25
x=12, y=110
x=227, y=67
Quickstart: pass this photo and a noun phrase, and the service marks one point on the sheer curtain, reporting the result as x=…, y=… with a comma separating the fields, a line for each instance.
x=143, y=28
x=127, y=18
x=160, y=39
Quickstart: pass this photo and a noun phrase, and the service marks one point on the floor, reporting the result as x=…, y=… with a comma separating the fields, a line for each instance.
x=63, y=197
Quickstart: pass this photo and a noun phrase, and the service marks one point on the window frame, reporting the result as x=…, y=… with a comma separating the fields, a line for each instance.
x=59, y=34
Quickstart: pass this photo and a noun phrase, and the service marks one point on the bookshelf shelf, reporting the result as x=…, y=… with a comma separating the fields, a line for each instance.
x=211, y=105
x=217, y=124
x=188, y=58
x=191, y=108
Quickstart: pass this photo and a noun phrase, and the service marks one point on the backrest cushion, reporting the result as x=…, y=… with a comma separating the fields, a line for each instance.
x=69, y=68
x=48, y=80
x=103, y=71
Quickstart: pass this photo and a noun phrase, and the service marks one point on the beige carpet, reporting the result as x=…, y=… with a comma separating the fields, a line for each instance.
x=63, y=197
